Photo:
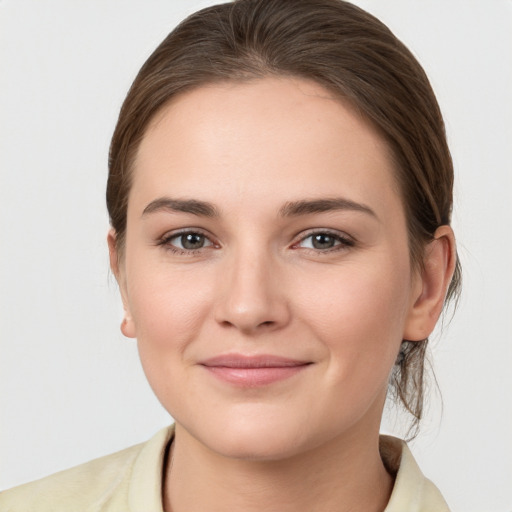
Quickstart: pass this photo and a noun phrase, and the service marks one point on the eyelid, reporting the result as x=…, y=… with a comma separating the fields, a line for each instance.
x=344, y=239
x=166, y=238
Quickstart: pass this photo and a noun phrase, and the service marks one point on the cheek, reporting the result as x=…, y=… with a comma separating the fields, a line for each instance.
x=359, y=314
x=168, y=310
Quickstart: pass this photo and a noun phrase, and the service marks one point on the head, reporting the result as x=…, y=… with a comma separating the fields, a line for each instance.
x=344, y=52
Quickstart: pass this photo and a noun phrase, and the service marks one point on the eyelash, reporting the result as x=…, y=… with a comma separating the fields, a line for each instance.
x=343, y=242
x=165, y=242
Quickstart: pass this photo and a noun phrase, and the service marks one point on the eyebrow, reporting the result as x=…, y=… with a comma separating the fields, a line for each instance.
x=290, y=209
x=192, y=206
x=307, y=207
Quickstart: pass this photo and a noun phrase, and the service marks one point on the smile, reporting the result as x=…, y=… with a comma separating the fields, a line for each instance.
x=253, y=371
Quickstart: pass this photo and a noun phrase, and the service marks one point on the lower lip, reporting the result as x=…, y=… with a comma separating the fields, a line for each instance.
x=253, y=377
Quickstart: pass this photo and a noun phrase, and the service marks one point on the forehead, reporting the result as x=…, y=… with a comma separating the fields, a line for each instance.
x=262, y=137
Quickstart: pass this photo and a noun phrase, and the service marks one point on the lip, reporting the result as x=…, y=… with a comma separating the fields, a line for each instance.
x=253, y=371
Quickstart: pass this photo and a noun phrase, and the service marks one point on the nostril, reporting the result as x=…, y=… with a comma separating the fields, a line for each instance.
x=256, y=326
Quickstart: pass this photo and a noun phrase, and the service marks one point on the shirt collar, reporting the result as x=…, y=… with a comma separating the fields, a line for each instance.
x=145, y=492
x=411, y=491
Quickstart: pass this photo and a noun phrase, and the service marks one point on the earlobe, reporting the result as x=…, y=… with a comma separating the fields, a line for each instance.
x=434, y=279
x=127, y=325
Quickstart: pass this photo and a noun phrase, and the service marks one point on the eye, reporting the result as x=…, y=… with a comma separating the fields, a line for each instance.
x=187, y=241
x=325, y=241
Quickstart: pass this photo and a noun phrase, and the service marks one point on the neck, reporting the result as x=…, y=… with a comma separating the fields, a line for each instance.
x=344, y=474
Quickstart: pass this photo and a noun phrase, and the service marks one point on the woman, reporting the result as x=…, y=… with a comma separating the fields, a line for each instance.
x=280, y=191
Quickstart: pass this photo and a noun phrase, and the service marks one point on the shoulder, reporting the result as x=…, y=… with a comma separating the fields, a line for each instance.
x=99, y=485
x=88, y=483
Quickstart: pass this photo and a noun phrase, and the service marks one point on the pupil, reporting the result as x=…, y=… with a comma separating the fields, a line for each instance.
x=323, y=241
x=192, y=241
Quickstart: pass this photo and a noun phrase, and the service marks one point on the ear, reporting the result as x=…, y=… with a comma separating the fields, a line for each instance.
x=127, y=325
x=429, y=290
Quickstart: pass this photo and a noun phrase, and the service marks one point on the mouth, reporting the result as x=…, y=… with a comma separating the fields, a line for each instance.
x=253, y=371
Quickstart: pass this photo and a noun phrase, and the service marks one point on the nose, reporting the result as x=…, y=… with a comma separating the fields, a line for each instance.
x=252, y=294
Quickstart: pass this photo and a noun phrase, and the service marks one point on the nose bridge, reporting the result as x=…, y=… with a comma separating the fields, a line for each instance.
x=252, y=299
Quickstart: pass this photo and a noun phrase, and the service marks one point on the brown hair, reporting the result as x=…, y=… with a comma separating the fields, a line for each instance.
x=350, y=53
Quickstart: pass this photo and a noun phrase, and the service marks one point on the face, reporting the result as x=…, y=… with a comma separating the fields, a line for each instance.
x=266, y=273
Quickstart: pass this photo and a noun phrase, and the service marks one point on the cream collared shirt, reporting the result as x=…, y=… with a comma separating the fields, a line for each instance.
x=131, y=481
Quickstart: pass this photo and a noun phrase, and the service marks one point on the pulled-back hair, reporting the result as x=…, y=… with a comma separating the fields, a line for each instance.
x=348, y=52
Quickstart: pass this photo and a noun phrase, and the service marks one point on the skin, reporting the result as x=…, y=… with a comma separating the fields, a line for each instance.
x=259, y=285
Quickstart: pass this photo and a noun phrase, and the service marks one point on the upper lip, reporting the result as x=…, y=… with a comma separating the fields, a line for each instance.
x=253, y=361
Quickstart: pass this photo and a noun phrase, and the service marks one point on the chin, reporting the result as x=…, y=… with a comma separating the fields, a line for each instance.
x=261, y=437
x=256, y=444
